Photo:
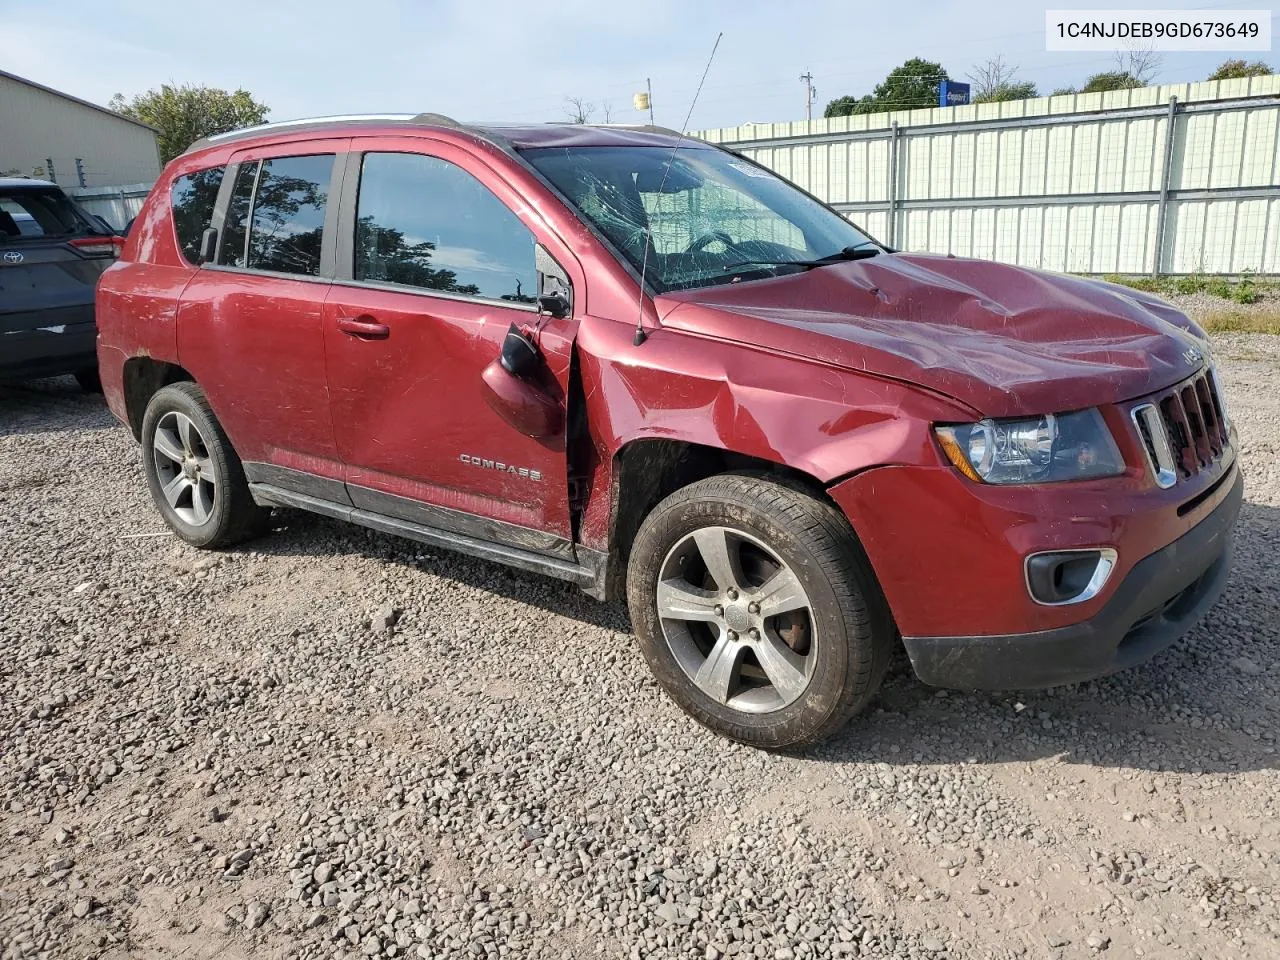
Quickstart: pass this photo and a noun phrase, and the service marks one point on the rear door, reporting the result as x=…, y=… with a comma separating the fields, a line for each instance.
x=439, y=258
x=249, y=326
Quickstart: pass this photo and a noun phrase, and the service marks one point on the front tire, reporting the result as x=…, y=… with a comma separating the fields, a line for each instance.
x=193, y=472
x=758, y=611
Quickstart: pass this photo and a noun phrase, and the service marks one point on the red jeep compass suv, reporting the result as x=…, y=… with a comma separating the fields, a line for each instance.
x=651, y=367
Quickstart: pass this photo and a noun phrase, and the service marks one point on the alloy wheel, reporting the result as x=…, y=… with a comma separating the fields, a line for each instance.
x=737, y=620
x=184, y=468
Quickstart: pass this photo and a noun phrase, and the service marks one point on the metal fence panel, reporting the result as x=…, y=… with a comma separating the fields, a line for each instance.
x=116, y=205
x=1095, y=183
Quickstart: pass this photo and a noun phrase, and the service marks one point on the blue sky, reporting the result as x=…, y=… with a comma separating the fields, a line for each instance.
x=520, y=59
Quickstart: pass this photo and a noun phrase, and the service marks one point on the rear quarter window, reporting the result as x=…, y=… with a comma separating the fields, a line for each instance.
x=193, y=197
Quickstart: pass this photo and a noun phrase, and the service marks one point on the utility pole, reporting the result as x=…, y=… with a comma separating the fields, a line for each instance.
x=649, y=87
x=810, y=91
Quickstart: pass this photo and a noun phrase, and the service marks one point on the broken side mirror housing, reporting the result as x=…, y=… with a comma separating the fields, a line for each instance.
x=511, y=391
x=554, y=304
x=519, y=353
x=555, y=292
x=522, y=404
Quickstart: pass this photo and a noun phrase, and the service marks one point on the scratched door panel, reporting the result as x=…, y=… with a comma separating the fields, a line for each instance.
x=443, y=263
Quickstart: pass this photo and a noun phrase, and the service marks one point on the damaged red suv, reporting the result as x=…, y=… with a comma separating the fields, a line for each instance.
x=653, y=368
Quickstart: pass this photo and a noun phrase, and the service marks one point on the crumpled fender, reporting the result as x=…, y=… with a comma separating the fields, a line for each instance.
x=825, y=422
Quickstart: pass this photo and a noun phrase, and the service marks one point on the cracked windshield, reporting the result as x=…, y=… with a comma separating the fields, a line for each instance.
x=709, y=217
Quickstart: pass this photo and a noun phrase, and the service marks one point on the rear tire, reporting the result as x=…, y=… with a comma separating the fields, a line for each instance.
x=793, y=644
x=89, y=380
x=194, y=475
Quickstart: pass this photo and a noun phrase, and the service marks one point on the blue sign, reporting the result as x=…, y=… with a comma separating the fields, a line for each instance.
x=952, y=93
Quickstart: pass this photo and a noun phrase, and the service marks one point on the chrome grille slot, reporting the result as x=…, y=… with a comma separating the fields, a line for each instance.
x=1184, y=430
x=1150, y=424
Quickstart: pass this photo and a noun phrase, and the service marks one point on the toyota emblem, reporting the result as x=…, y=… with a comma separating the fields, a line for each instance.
x=13, y=256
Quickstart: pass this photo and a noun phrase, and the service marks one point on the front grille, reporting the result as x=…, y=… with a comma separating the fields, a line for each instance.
x=1183, y=429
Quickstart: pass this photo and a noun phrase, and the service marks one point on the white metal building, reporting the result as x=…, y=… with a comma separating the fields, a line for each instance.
x=54, y=136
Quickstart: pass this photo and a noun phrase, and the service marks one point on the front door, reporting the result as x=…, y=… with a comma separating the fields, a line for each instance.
x=439, y=268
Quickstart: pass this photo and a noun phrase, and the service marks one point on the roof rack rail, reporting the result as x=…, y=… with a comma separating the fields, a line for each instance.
x=434, y=119
x=438, y=120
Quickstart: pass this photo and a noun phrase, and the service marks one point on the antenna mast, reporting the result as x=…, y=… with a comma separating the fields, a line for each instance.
x=648, y=231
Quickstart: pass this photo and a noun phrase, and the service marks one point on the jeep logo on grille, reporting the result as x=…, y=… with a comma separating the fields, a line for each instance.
x=1191, y=355
x=13, y=256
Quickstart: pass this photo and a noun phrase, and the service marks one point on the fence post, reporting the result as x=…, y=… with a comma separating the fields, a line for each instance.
x=893, y=185
x=1166, y=175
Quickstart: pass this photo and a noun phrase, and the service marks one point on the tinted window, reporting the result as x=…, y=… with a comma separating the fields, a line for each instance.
x=193, y=197
x=40, y=212
x=424, y=222
x=231, y=252
x=286, y=226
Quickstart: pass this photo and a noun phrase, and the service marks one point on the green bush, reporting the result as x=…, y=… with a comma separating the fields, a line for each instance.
x=1219, y=287
x=1245, y=291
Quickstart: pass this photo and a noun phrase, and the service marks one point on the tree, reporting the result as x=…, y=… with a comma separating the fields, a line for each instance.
x=186, y=114
x=908, y=87
x=397, y=261
x=1022, y=90
x=1141, y=63
x=845, y=106
x=993, y=80
x=1236, y=69
x=579, y=110
x=1112, y=80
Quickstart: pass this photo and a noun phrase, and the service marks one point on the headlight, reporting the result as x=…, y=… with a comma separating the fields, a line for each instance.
x=1069, y=446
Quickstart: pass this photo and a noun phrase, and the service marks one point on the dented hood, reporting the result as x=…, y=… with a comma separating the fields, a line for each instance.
x=1004, y=340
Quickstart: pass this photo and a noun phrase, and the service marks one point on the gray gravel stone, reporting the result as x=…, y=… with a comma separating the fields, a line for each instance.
x=499, y=771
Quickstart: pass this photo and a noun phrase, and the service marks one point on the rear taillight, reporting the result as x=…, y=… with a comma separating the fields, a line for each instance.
x=98, y=246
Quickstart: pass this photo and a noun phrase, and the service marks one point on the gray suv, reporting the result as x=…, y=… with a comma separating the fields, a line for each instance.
x=51, y=255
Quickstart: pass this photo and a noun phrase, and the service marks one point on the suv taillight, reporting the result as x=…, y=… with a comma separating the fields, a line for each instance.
x=98, y=246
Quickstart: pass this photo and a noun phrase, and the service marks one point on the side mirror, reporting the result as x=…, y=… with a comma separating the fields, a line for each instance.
x=208, y=245
x=555, y=304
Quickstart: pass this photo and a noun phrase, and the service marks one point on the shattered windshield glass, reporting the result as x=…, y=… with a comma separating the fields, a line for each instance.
x=706, y=216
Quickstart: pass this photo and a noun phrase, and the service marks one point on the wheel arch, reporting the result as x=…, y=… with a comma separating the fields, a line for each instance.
x=650, y=469
x=143, y=377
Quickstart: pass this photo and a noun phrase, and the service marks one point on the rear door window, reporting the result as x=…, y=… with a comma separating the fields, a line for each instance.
x=275, y=220
x=193, y=200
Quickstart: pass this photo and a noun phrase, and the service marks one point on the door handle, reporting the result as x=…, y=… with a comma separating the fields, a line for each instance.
x=364, y=328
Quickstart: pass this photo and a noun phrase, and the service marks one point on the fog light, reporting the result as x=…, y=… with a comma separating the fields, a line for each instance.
x=1068, y=576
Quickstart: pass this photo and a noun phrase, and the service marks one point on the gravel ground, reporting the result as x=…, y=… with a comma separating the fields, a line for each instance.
x=334, y=743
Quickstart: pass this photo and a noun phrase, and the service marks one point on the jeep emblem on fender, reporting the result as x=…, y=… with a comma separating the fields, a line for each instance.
x=13, y=256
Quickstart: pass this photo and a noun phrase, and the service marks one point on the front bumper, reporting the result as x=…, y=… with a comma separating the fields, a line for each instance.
x=1159, y=600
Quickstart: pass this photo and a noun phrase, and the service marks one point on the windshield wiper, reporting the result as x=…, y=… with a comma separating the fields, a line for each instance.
x=860, y=251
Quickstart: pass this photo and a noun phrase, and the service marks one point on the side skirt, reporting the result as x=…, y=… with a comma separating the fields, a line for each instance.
x=587, y=577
